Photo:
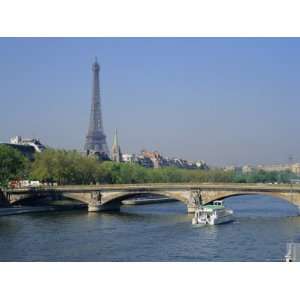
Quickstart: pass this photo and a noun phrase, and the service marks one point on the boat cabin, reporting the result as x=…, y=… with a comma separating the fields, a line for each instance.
x=218, y=203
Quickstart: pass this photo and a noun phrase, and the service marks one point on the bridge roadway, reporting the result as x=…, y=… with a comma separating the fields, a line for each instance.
x=110, y=197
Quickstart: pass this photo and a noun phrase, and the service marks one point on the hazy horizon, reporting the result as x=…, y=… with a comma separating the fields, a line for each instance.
x=223, y=100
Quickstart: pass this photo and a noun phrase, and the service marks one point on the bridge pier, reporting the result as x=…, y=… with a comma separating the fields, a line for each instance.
x=97, y=207
x=96, y=203
x=191, y=209
x=194, y=200
x=3, y=200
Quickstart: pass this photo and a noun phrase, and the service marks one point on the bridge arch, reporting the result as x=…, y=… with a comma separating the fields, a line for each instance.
x=26, y=198
x=119, y=197
x=35, y=196
x=225, y=195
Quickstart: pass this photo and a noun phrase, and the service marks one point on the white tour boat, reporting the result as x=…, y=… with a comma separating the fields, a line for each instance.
x=213, y=214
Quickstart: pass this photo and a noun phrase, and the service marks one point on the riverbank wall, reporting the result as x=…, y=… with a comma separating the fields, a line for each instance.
x=6, y=211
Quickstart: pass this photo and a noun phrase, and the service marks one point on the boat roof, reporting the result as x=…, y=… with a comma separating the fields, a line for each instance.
x=213, y=207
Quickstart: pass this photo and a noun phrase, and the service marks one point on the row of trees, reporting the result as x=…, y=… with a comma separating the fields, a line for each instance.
x=12, y=165
x=70, y=167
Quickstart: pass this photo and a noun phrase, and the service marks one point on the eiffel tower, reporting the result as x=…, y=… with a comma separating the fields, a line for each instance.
x=95, y=142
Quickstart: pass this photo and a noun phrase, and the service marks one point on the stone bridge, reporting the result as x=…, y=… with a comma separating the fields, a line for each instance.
x=110, y=197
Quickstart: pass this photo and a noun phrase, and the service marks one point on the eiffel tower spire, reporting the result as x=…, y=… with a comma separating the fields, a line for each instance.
x=95, y=139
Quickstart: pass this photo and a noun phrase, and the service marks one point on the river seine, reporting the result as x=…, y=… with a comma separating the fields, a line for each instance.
x=161, y=232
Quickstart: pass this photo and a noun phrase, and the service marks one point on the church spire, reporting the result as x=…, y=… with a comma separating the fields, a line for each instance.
x=115, y=142
x=116, y=154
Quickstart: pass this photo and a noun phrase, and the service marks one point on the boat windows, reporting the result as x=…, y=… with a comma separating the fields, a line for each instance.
x=218, y=203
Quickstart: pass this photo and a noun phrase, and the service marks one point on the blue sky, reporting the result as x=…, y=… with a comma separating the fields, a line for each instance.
x=223, y=100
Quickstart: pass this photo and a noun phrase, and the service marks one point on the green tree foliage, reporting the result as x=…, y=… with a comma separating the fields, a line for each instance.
x=264, y=177
x=64, y=167
x=71, y=167
x=111, y=172
x=13, y=165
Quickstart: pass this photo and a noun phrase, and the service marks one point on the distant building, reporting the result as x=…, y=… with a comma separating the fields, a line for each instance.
x=157, y=159
x=201, y=164
x=138, y=159
x=232, y=169
x=274, y=167
x=153, y=159
x=182, y=163
x=295, y=168
x=247, y=169
x=128, y=158
x=176, y=162
x=35, y=143
x=144, y=161
x=28, y=147
x=116, y=154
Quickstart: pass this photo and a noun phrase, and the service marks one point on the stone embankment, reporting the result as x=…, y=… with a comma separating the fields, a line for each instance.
x=13, y=210
x=22, y=210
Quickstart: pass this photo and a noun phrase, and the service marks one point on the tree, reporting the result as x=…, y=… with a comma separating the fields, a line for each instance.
x=71, y=167
x=64, y=167
x=13, y=165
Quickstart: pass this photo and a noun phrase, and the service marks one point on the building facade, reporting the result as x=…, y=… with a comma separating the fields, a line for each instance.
x=153, y=159
x=35, y=143
x=28, y=147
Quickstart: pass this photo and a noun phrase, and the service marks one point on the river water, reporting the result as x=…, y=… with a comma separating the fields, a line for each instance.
x=161, y=232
